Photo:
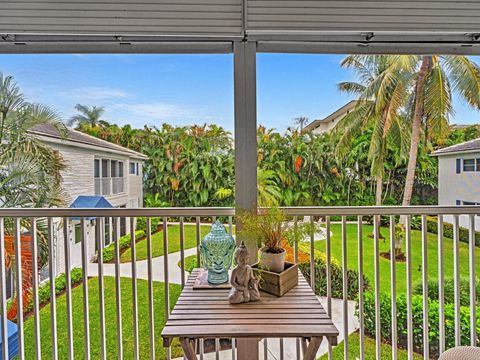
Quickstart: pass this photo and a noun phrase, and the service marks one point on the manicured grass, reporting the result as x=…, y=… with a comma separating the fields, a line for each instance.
x=354, y=350
x=368, y=255
x=190, y=239
x=110, y=322
x=190, y=263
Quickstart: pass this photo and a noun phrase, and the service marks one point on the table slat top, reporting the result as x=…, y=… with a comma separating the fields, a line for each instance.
x=208, y=314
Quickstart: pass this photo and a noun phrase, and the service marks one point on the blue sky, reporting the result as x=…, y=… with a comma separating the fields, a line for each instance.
x=186, y=89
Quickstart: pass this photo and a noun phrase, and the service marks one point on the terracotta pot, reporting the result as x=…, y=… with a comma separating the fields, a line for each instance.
x=272, y=261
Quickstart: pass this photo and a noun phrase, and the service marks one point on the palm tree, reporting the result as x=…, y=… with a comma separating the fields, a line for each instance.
x=380, y=95
x=90, y=116
x=435, y=78
x=29, y=169
x=301, y=121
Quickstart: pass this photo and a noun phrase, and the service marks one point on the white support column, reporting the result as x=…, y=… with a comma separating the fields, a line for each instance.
x=245, y=92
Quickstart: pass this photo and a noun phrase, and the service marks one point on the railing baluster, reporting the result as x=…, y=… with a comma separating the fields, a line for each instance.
x=134, y=289
x=425, y=288
x=19, y=278
x=265, y=349
x=312, y=254
x=100, y=232
x=376, y=260
x=182, y=252
x=166, y=277
x=118, y=290
x=202, y=348
x=3, y=292
x=328, y=251
x=150, y=289
x=52, y=273
x=281, y=349
x=86, y=317
x=456, y=278
x=197, y=228
x=234, y=343
x=35, y=282
x=361, y=315
x=393, y=285
x=217, y=349
x=344, y=287
x=473, y=283
x=68, y=280
x=295, y=258
x=230, y=225
x=409, y=288
x=441, y=290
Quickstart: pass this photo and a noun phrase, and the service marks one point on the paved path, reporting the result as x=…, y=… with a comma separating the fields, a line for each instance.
x=174, y=274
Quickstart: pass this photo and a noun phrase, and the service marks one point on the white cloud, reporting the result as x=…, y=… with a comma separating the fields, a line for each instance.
x=98, y=92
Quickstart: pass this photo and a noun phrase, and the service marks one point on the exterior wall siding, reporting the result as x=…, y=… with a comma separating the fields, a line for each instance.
x=452, y=186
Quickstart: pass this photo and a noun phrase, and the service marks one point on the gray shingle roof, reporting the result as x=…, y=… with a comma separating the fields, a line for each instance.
x=467, y=146
x=78, y=138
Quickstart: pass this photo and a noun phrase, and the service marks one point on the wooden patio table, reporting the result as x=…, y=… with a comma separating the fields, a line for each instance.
x=207, y=314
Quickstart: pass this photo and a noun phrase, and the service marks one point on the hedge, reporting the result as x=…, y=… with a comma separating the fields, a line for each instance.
x=142, y=224
x=432, y=227
x=336, y=277
x=60, y=286
x=417, y=312
x=124, y=241
x=449, y=290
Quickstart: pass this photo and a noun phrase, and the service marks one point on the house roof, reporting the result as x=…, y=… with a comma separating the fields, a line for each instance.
x=50, y=133
x=465, y=147
x=337, y=113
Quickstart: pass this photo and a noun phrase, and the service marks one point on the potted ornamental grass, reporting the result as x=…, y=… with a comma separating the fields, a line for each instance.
x=271, y=230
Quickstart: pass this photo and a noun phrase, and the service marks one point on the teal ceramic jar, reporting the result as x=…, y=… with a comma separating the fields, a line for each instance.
x=216, y=253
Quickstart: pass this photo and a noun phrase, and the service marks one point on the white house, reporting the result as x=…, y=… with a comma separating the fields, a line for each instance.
x=459, y=176
x=326, y=124
x=94, y=169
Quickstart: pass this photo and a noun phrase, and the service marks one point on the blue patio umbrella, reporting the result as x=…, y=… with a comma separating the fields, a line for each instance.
x=90, y=202
x=12, y=339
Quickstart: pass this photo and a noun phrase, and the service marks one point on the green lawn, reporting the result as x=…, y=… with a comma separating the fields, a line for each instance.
x=173, y=242
x=110, y=321
x=354, y=350
x=368, y=258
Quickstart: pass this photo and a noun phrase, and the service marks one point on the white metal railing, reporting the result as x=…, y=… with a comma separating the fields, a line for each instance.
x=10, y=219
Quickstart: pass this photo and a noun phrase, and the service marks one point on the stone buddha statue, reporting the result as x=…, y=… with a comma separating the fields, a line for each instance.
x=244, y=284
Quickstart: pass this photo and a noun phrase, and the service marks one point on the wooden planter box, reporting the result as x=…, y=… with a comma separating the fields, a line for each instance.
x=277, y=283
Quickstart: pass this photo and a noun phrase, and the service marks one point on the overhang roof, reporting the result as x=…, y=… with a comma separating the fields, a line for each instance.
x=50, y=133
x=339, y=112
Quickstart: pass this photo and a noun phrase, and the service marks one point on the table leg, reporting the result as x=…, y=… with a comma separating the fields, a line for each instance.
x=247, y=349
x=188, y=349
x=310, y=351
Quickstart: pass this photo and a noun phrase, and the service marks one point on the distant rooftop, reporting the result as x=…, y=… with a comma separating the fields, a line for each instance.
x=339, y=112
x=77, y=138
x=465, y=147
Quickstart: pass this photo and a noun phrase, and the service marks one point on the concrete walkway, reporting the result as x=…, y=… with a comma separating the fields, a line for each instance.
x=174, y=272
x=174, y=275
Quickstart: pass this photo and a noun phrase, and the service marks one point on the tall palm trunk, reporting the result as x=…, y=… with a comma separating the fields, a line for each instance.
x=416, y=125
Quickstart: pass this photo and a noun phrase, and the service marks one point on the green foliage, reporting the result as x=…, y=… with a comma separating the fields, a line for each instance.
x=336, y=277
x=124, y=242
x=417, y=311
x=432, y=227
x=60, y=286
x=449, y=290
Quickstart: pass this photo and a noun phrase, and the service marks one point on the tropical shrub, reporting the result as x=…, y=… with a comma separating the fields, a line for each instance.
x=336, y=277
x=124, y=242
x=449, y=290
x=417, y=315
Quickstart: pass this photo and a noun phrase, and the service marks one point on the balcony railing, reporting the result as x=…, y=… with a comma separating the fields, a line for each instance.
x=109, y=186
x=12, y=221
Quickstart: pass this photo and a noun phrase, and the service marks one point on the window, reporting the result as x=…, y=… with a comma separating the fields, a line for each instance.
x=77, y=233
x=468, y=164
x=105, y=172
x=96, y=170
x=478, y=165
x=459, y=166
x=132, y=168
